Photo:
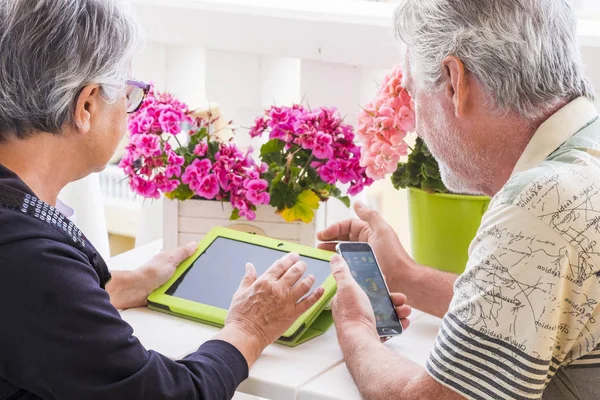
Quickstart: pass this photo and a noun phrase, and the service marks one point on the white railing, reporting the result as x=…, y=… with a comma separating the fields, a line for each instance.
x=248, y=54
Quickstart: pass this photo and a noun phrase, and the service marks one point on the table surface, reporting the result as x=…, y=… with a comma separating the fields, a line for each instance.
x=311, y=371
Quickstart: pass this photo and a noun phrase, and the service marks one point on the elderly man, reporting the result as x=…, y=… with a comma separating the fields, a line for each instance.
x=503, y=104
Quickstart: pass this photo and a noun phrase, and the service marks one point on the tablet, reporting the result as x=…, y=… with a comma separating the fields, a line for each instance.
x=203, y=285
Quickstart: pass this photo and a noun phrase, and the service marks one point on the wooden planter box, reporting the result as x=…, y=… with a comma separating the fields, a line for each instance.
x=191, y=220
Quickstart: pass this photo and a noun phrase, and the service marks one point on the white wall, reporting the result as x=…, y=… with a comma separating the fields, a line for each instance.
x=247, y=55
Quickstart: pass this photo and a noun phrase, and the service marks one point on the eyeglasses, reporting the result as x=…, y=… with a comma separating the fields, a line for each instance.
x=136, y=93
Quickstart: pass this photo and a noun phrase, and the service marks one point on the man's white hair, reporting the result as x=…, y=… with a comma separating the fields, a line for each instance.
x=525, y=53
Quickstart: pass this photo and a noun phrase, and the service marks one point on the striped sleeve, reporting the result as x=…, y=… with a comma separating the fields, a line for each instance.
x=519, y=312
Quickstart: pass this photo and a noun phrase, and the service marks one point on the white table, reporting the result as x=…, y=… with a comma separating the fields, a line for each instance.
x=413, y=344
x=313, y=370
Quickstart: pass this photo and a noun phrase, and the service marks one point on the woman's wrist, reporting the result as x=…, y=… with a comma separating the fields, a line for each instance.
x=250, y=345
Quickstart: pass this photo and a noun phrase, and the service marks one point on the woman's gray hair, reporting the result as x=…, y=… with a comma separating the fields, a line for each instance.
x=50, y=50
x=525, y=53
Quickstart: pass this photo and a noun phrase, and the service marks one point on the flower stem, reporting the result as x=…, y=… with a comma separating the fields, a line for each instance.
x=305, y=168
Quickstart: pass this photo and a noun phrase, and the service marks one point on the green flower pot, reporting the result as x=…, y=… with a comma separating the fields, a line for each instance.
x=442, y=227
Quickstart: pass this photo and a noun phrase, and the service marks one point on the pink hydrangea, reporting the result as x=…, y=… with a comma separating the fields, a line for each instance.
x=382, y=126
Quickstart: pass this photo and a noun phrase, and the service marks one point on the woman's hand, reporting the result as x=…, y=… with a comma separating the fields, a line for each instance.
x=264, y=308
x=130, y=289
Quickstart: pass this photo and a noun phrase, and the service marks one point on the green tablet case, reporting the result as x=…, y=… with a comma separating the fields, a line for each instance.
x=316, y=321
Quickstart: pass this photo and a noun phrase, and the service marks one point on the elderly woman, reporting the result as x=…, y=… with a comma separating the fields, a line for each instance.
x=64, y=98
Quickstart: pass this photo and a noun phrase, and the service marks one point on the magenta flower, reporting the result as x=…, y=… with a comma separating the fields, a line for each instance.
x=329, y=172
x=146, y=188
x=322, y=148
x=209, y=187
x=172, y=171
x=145, y=145
x=201, y=149
x=170, y=122
x=259, y=127
x=256, y=191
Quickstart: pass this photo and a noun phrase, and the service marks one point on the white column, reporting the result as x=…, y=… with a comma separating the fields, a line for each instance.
x=337, y=85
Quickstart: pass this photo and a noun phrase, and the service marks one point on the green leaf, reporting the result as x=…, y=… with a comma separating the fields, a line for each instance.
x=279, y=177
x=183, y=192
x=345, y=200
x=213, y=148
x=283, y=196
x=420, y=171
x=304, y=208
x=235, y=215
x=272, y=146
x=401, y=177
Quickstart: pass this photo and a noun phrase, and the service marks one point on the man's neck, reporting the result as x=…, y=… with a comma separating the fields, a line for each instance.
x=43, y=162
x=512, y=142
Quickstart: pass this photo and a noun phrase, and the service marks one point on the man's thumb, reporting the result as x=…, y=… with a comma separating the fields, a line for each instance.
x=340, y=270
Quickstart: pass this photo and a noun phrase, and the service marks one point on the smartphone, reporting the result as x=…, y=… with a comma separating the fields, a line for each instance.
x=365, y=270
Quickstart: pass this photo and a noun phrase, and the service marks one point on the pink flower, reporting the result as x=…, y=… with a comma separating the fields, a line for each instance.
x=329, y=172
x=209, y=187
x=201, y=149
x=256, y=191
x=346, y=172
x=322, y=148
x=173, y=171
x=383, y=125
x=145, y=188
x=202, y=166
x=174, y=159
x=146, y=145
x=170, y=122
x=259, y=127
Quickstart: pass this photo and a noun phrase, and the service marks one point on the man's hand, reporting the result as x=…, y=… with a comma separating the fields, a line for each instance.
x=371, y=228
x=402, y=273
x=378, y=371
x=352, y=311
x=264, y=308
x=130, y=289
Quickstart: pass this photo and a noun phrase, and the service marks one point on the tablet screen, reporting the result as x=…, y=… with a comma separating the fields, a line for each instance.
x=216, y=274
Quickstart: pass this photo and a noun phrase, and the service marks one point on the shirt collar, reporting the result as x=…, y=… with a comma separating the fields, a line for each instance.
x=9, y=178
x=555, y=131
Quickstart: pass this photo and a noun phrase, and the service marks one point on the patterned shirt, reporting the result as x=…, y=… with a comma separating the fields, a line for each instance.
x=524, y=322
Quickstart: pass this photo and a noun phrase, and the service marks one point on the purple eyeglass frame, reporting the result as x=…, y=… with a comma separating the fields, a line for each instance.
x=141, y=85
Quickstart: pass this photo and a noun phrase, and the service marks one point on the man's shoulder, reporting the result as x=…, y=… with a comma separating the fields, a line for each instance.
x=563, y=192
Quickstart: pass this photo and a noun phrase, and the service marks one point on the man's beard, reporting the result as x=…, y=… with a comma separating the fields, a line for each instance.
x=467, y=172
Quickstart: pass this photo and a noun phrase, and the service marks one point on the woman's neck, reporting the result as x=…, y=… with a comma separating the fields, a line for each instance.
x=43, y=162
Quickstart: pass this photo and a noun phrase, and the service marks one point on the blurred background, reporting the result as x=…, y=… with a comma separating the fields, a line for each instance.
x=239, y=57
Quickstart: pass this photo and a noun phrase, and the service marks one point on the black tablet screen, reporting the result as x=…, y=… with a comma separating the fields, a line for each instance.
x=216, y=274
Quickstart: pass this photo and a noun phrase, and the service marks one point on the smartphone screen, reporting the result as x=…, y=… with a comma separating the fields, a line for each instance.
x=365, y=270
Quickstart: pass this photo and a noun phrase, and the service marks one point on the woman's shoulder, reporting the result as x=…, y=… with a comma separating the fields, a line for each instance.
x=27, y=244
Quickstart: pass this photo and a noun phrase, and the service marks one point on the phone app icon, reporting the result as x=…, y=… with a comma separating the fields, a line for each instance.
x=356, y=259
x=371, y=260
x=364, y=259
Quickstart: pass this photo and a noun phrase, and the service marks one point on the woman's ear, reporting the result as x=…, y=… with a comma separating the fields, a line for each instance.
x=456, y=84
x=88, y=103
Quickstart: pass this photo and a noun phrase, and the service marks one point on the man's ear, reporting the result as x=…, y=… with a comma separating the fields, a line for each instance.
x=456, y=84
x=87, y=105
